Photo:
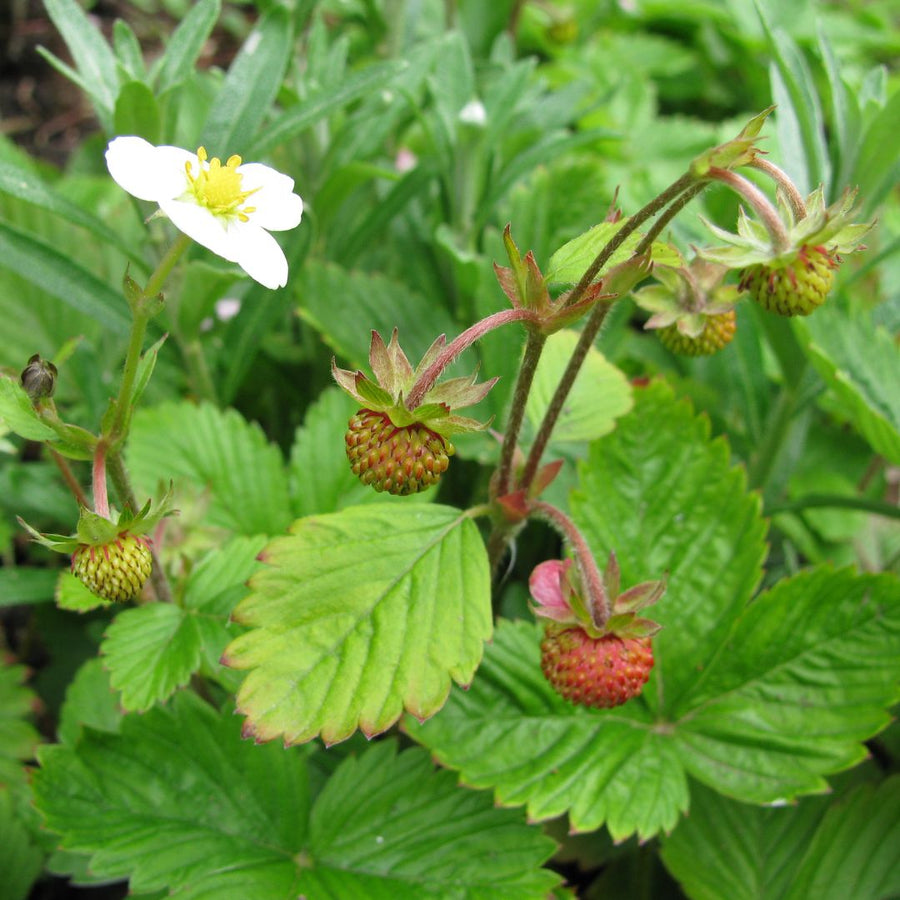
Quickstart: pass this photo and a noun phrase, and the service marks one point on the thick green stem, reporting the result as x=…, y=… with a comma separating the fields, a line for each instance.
x=533, y=349
x=119, y=477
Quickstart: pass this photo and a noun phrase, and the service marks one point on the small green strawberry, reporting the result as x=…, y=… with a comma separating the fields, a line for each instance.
x=693, y=311
x=594, y=665
x=791, y=277
x=112, y=559
x=395, y=447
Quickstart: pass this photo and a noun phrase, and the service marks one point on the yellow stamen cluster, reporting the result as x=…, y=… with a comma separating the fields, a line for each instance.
x=218, y=187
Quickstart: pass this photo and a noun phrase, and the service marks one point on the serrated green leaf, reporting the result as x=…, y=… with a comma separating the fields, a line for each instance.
x=250, y=86
x=91, y=701
x=822, y=848
x=19, y=416
x=367, y=302
x=137, y=112
x=206, y=450
x=666, y=499
x=93, y=57
x=186, y=42
x=600, y=395
x=20, y=858
x=152, y=650
x=194, y=809
x=18, y=738
x=58, y=274
x=73, y=596
x=861, y=364
x=359, y=615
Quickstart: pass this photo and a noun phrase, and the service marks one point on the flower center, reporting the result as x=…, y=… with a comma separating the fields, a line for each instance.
x=218, y=187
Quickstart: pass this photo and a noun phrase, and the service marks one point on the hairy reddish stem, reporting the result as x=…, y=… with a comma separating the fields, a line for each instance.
x=780, y=177
x=760, y=203
x=98, y=481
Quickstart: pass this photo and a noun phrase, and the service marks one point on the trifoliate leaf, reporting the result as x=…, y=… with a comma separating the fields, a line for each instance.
x=154, y=649
x=178, y=801
x=359, y=615
x=601, y=393
x=861, y=364
x=18, y=738
x=823, y=848
x=759, y=700
x=225, y=459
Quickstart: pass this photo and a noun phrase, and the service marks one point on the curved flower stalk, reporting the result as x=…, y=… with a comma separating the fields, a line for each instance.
x=229, y=208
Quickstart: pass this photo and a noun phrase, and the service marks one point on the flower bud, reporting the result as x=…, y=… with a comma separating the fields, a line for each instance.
x=39, y=378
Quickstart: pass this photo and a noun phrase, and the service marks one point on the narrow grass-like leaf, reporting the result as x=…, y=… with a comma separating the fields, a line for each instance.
x=58, y=274
x=250, y=86
x=600, y=395
x=209, y=451
x=861, y=364
x=127, y=49
x=358, y=616
x=186, y=42
x=877, y=168
x=93, y=57
x=137, y=112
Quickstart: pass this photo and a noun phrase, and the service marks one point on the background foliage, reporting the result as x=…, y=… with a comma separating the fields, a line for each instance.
x=763, y=479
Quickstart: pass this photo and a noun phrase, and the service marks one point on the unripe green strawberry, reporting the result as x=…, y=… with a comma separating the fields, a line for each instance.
x=600, y=672
x=795, y=289
x=717, y=332
x=116, y=570
x=400, y=460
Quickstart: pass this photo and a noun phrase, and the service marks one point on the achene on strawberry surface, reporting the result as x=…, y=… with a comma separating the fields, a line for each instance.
x=116, y=570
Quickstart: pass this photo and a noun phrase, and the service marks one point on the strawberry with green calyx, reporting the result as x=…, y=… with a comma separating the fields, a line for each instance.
x=111, y=558
x=394, y=443
x=586, y=662
x=786, y=261
x=693, y=311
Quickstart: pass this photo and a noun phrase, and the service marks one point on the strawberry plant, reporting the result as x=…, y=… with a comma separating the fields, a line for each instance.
x=449, y=450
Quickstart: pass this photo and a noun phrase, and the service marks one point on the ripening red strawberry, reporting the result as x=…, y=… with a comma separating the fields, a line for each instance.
x=116, y=570
x=600, y=672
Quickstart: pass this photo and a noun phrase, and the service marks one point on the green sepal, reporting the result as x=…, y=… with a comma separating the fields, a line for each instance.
x=737, y=152
x=369, y=392
x=133, y=292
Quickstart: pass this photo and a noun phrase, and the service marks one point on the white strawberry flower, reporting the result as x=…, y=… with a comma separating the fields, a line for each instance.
x=229, y=208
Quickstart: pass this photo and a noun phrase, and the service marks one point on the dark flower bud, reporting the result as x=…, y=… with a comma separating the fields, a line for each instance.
x=39, y=378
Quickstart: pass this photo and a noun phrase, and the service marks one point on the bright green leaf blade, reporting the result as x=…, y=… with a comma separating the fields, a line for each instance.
x=93, y=57
x=127, y=49
x=725, y=850
x=512, y=732
x=153, y=650
x=443, y=842
x=666, y=499
x=19, y=416
x=72, y=595
x=175, y=798
x=250, y=86
x=18, y=738
x=150, y=651
x=801, y=682
x=600, y=395
x=854, y=852
x=210, y=452
x=861, y=364
x=44, y=266
x=24, y=184
x=379, y=302
x=321, y=103
x=186, y=42
x=91, y=701
x=572, y=260
x=877, y=169
x=20, y=858
x=360, y=615
x=137, y=112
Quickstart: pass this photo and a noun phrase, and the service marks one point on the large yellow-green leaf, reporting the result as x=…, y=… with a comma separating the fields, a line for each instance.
x=358, y=616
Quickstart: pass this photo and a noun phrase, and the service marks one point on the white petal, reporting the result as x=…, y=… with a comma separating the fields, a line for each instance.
x=276, y=208
x=199, y=223
x=145, y=171
x=261, y=257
